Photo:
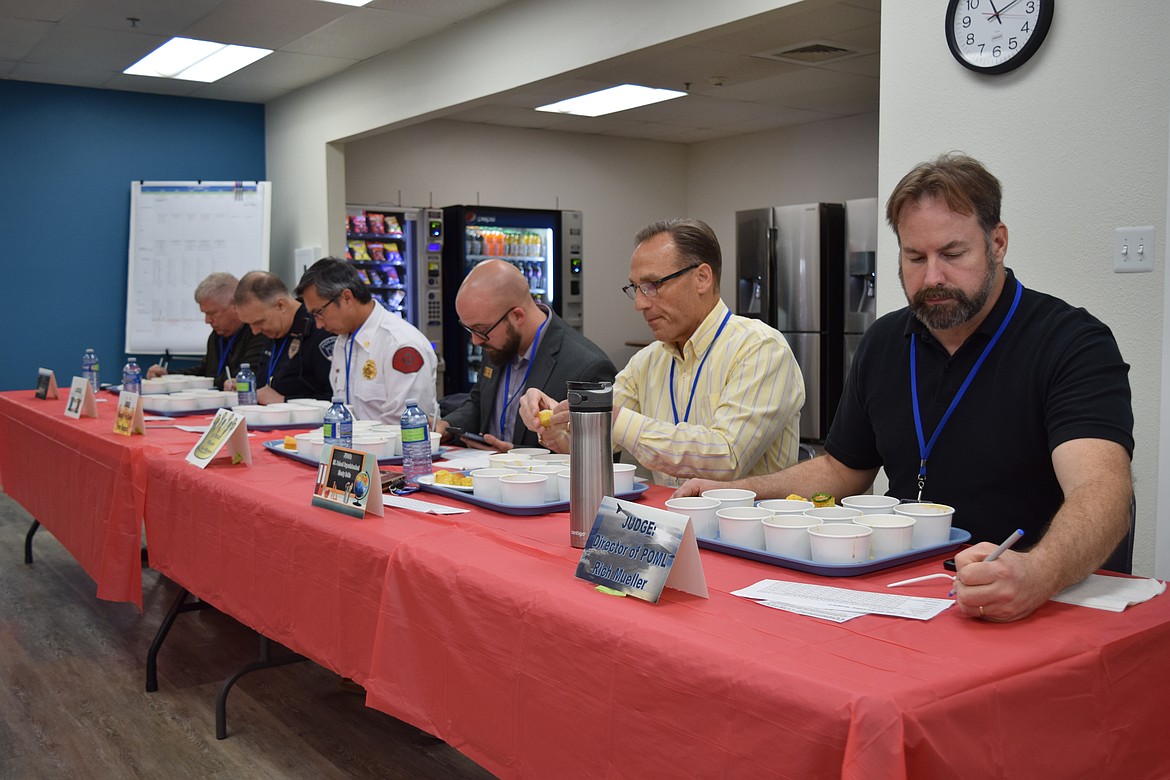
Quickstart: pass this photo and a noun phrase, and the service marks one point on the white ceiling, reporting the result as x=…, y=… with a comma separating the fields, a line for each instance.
x=88, y=43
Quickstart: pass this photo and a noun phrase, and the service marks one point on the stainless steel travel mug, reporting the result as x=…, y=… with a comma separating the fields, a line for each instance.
x=590, y=454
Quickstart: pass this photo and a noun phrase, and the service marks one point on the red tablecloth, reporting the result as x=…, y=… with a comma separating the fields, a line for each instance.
x=82, y=482
x=486, y=639
x=473, y=627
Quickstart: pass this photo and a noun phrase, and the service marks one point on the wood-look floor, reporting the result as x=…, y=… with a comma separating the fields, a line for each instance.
x=73, y=703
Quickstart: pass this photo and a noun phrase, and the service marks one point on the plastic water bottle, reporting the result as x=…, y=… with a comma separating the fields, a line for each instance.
x=246, y=384
x=132, y=376
x=416, y=443
x=90, y=369
x=338, y=424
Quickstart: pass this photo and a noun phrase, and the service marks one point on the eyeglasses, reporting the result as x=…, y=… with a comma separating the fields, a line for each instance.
x=650, y=289
x=484, y=334
x=317, y=313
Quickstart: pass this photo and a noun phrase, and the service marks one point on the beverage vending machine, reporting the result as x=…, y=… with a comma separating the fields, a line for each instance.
x=544, y=244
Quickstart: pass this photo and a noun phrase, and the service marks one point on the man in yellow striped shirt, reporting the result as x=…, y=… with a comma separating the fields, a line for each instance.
x=716, y=396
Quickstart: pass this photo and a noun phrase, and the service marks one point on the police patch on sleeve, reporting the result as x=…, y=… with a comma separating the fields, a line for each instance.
x=326, y=347
x=407, y=360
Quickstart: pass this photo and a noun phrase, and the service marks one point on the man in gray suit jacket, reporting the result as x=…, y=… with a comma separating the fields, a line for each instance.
x=526, y=345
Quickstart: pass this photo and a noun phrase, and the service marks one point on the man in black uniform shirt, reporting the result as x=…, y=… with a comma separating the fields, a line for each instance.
x=297, y=365
x=230, y=343
x=1026, y=398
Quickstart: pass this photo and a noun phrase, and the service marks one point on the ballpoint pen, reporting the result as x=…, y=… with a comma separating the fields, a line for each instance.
x=998, y=551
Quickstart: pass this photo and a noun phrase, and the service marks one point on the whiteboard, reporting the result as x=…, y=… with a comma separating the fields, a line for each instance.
x=181, y=231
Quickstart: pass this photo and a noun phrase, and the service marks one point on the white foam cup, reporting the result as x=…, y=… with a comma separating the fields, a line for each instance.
x=552, y=490
x=522, y=489
x=742, y=525
x=528, y=452
x=785, y=506
x=892, y=534
x=787, y=535
x=729, y=497
x=840, y=542
x=485, y=483
x=701, y=511
x=833, y=514
x=871, y=505
x=563, y=491
x=623, y=477
x=932, y=525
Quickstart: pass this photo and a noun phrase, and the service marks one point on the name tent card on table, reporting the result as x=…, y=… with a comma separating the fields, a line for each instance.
x=638, y=550
x=82, y=402
x=128, y=421
x=348, y=481
x=227, y=430
x=46, y=384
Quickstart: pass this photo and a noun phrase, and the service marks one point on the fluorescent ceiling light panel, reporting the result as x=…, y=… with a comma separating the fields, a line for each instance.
x=608, y=101
x=192, y=60
x=350, y=2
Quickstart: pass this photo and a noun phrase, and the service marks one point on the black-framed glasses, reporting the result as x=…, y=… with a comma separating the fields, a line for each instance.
x=485, y=334
x=317, y=313
x=650, y=289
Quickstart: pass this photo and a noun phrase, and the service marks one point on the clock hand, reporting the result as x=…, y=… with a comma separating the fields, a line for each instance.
x=1009, y=5
x=994, y=13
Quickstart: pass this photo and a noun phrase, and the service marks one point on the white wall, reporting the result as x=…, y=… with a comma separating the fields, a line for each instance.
x=619, y=185
x=1078, y=136
x=831, y=161
x=461, y=64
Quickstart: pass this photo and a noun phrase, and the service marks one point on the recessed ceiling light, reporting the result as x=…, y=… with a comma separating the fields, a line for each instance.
x=349, y=2
x=607, y=101
x=193, y=60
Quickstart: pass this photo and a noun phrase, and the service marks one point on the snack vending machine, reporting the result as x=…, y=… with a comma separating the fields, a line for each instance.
x=399, y=254
x=544, y=244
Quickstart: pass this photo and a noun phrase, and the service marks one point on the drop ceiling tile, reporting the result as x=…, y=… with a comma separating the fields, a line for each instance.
x=270, y=24
x=19, y=36
x=365, y=33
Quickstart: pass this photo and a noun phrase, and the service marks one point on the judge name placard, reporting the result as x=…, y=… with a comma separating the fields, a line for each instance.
x=348, y=481
x=638, y=550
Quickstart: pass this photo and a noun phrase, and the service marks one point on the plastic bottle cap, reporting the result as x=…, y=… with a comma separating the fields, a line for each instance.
x=245, y=365
x=338, y=399
x=412, y=401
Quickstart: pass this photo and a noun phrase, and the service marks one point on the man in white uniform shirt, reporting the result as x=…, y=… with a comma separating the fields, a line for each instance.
x=380, y=359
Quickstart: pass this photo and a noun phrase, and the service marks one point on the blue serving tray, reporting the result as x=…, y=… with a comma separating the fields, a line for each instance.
x=958, y=537
x=277, y=446
x=521, y=509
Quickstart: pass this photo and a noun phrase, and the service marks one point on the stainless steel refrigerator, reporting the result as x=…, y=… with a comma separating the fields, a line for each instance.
x=861, y=229
x=790, y=267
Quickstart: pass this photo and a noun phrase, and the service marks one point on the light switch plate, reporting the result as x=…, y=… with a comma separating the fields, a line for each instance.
x=1133, y=249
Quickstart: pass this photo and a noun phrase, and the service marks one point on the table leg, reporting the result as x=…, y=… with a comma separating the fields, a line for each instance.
x=178, y=606
x=266, y=662
x=32, y=529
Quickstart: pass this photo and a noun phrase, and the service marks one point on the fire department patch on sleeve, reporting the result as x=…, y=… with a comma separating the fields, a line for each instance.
x=407, y=360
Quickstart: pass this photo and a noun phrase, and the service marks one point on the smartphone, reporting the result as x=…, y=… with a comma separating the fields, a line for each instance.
x=459, y=433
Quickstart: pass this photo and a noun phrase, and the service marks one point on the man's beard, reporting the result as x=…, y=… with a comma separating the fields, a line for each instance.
x=961, y=308
x=501, y=357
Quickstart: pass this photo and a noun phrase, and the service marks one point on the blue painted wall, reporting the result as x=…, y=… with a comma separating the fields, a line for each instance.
x=67, y=157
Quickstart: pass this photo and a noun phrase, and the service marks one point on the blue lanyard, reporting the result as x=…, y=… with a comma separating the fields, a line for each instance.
x=349, y=357
x=695, y=383
x=924, y=447
x=508, y=399
x=275, y=358
x=223, y=352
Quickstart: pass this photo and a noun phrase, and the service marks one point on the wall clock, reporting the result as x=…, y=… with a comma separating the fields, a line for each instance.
x=996, y=36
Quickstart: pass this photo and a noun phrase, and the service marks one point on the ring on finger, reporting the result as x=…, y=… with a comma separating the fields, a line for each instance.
x=981, y=612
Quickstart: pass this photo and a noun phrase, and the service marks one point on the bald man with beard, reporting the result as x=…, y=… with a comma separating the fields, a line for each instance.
x=526, y=345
